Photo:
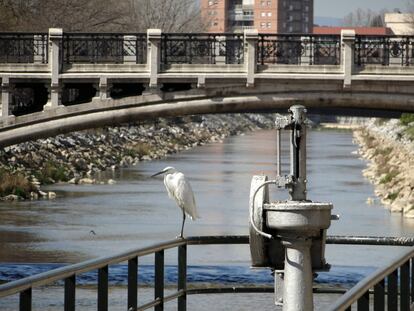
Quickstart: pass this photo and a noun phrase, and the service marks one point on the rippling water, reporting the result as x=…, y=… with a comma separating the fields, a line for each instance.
x=137, y=212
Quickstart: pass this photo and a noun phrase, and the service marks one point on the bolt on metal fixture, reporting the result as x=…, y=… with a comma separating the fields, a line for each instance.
x=289, y=236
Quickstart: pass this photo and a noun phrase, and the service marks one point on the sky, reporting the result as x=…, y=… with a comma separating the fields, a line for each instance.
x=340, y=8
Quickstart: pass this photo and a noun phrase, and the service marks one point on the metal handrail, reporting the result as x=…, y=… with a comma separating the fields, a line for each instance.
x=68, y=273
x=93, y=264
x=362, y=287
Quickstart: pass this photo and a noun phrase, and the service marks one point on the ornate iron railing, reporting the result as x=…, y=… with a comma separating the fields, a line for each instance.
x=298, y=49
x=101, y=48
x=23, y=48
x=202, y=49
x=384, y=50
x=68, y=274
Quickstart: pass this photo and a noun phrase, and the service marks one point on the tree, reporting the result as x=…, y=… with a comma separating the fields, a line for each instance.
x=364, y=18
x=167, y=15
x=100, y=15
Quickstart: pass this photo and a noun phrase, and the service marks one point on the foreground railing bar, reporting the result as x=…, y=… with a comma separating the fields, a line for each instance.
x=258, y=290
x=405, y=286
x=379, y=296
x=26, y=300
x=159, y=280
x=103, y=289
x=70, y=293
x=182, y=277
x=363, y=302
x=346, y=240
x=133, y=283
x=412, y=279
x=368, y=282
x=64, y=272
x=158, y=301
x=392, y=284
x=368, y=240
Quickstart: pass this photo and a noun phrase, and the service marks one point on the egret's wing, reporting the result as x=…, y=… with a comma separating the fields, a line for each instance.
x=169, y=185
x=185, y=196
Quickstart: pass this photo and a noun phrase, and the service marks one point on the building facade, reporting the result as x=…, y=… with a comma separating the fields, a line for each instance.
x=400, y=23
x=267, y=16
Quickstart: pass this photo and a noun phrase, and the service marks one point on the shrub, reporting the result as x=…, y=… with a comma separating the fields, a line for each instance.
x=388, y=177
x=407, y=118
x=15, y=183
x=52, y=171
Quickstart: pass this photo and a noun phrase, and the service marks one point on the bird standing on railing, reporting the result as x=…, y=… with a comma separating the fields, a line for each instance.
x=179, y=189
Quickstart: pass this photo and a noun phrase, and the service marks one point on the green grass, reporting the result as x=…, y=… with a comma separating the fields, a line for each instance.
x=388, y=177
x=409, y=131
x=52, y=171
x=407, y=118
x=392, y=196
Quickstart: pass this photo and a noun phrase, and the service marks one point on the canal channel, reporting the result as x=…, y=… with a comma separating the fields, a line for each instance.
x=96, y=220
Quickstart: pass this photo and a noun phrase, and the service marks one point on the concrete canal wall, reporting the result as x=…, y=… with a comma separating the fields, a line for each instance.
x=389, y=147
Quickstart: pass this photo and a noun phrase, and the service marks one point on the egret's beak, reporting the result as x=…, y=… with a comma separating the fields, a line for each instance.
x=159, y=173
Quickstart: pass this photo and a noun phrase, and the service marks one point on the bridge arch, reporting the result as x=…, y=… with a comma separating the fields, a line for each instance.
x=112, y=112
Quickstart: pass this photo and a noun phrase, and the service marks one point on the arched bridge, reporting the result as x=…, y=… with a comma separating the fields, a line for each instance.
x=91, y=80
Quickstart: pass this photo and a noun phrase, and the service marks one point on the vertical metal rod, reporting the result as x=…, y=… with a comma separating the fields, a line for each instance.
x=278, y=153
x=412, y=280
x=182, y=277
x=159, y=280
x=405, y=287
x=133, y=283
x=103, y=289
x=363, y=302
x=70, y=293
x=26, y=300
x=392, y=301
x=379, y=296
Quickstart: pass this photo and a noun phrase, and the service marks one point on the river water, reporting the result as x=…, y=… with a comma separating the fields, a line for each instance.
x=136, y=211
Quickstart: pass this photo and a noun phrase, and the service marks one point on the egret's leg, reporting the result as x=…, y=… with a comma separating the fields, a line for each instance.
x=182, y=226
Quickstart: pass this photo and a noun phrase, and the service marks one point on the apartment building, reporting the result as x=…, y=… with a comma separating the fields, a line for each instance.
x=267, y=16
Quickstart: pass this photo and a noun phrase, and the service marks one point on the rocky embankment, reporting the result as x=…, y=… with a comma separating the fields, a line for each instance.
x=80, y=156
x=390, y=149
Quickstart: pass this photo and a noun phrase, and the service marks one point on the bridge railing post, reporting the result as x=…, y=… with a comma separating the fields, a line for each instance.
x=5, y=96
x=55, y=40
x=251, y=36
x=348, y=49
x=153, y=56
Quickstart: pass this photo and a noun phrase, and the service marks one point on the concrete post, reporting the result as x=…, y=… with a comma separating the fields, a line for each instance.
x=251, y=36
x=297, y=292
x=153, y=56
x=5, y=97
x=103, y=89
x=348, y=46
x=55, y=38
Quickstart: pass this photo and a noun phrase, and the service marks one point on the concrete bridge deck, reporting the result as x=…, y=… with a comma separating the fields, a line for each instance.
x=180, y=74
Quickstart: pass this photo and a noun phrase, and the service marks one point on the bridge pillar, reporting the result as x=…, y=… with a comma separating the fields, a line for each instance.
x=5, y=97
x=103, y=89
x=153, y=56
x=55, y=39
x=348, y=46
x=251, y=36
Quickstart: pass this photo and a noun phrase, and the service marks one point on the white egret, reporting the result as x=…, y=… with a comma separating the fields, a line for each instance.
x=179, y=189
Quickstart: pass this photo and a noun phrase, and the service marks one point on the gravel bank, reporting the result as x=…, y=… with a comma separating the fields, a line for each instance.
x=391, y=163
x=79, y=156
